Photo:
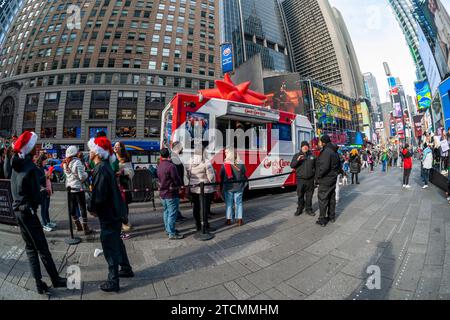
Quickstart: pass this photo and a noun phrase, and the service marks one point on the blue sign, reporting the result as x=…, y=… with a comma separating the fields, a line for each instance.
x=227, y=57
x=392, y=82
x=444, y=91
x=142, y=145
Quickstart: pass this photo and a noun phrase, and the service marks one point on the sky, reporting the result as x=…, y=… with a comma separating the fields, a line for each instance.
x=378, y=38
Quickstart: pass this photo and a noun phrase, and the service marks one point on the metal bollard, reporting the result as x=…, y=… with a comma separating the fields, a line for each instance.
x=204, y=235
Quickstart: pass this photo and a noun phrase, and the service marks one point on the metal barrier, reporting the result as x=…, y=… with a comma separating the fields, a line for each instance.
x=143, y=187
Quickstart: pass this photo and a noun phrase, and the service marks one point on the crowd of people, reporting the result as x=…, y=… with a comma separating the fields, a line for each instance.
x=101, y=184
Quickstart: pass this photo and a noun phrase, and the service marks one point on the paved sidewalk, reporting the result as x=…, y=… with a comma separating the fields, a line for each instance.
x=274, y=256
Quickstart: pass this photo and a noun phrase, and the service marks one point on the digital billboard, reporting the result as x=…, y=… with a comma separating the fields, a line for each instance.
x=288, y=93
x=429, y=62
x=444, y=90
x=423, y=94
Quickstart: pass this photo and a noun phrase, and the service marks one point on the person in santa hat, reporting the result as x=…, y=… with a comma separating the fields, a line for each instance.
x=25, y=189
x=107, y=204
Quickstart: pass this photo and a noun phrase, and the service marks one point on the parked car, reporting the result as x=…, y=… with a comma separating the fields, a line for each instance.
x=58, y=172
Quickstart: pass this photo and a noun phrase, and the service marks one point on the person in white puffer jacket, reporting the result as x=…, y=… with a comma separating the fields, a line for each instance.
x=75, y=177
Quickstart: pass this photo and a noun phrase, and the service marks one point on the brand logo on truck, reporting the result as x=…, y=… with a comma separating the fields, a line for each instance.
x=277, y=165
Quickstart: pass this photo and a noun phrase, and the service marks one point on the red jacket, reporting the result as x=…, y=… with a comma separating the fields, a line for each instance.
x=407, y=159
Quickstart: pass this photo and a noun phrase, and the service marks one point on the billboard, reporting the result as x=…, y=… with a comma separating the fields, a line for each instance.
x=434, y=17
x=329, y=106
x=365, y=113
x=423, y=94
x=418, y=125
x=444, y=90
x=288, y=93
x=429, y=62
x=379, y=125
x=226, y=55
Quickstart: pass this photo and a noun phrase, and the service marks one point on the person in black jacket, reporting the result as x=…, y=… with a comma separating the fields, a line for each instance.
x=304, y=163
x=328, y=167
x=25, y=189
x=107, y=204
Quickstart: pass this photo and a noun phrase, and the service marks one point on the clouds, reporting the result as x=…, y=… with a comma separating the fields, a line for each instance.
x=377, y=38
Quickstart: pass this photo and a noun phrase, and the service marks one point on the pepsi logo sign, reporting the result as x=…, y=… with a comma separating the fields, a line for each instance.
x=227, y=52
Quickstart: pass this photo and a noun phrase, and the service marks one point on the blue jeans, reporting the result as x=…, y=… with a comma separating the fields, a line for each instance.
x=171, y=208
x=45, y=206
x=233, y=201
x=425, y=176
x=384, y=166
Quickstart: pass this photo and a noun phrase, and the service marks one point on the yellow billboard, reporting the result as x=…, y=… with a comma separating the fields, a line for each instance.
x=331, y=105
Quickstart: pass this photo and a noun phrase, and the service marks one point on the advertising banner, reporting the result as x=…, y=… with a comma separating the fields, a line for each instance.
x=418, y=125
x=444, y=90
x=226, y=51
x=423, y=93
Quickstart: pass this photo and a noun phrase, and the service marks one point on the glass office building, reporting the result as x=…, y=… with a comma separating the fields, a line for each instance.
x=255, y=26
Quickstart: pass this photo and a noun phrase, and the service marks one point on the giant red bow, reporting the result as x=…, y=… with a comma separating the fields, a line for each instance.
x=227, y=90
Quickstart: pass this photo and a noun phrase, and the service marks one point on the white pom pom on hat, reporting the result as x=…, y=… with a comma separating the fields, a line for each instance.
x=102, y=147
x=25, y=143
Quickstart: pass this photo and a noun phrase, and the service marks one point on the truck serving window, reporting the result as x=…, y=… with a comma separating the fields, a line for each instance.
x=284, y=132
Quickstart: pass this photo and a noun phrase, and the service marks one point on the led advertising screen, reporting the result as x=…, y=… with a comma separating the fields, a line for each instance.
x=444, y=90
x=423, y=94
x=287, y=93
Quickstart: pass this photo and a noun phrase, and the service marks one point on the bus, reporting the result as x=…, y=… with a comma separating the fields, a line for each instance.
x=271, y=137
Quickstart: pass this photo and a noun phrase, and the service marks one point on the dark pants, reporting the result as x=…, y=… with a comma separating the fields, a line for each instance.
x=353, y=178
x=425, y=176
x=35, y=245
x=305, y=191
x=45, y=206
x=77, y=199
x=327, y=201
x=406, y=174
x=197, y=208
x=114, y=250
x=371, y=166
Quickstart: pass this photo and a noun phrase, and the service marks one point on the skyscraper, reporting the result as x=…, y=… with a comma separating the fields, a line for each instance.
x=115, y=71
x=321, y=45
x=255, y=27
x=8, y=11
x=403, y=10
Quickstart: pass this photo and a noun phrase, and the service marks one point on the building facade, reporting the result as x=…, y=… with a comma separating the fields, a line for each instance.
x=114, y=71
x=8, y=10
x=255, y=27
x=321, y=46
x=403, y=11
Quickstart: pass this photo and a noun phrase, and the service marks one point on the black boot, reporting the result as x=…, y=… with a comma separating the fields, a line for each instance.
x=298, y=212
x=41, y=287
x=59, y=282
x=322, y=222
x=126, y=273
x=109, y=286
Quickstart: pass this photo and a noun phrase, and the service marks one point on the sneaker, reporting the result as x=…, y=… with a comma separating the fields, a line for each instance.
x=425, y=187
x=126, y=227
x=448, y=198
x=408, y=186
x=176, y=237
x=126, y=273
x=444, y=172
x=109, y=286
x=404, y=186
x=52, y=224
x=125, y=236
x=47, y=228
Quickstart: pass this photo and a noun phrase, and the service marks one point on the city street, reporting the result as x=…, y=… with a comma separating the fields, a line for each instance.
x=406, y=233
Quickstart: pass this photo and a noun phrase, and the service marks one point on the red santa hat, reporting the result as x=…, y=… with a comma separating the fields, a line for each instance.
x=25, y=143
x=102, y=147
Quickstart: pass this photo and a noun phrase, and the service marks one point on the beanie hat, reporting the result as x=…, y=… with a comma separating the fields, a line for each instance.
x=305, y=144
x=102, y=147
x=165, y=153
x=325, y=139
x=25, y=143
x=71, y=151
